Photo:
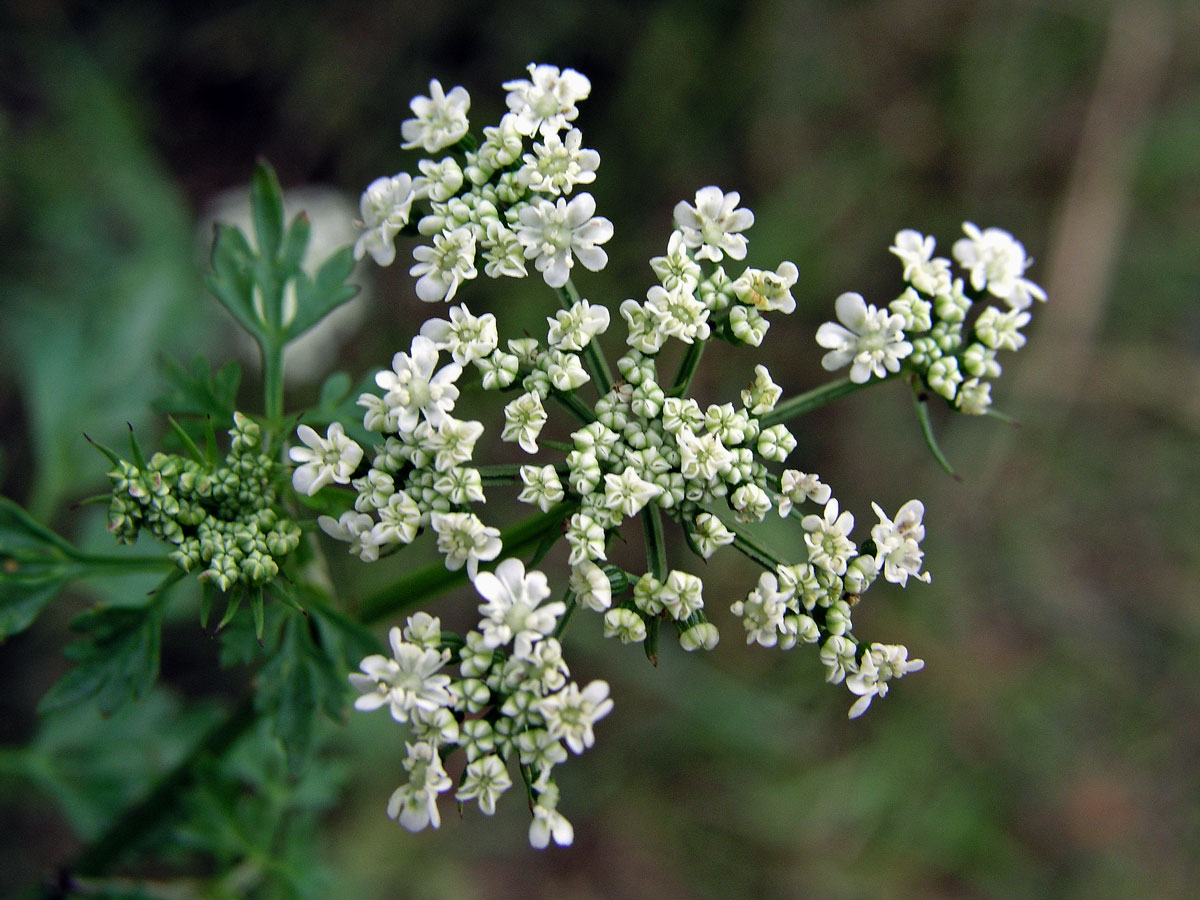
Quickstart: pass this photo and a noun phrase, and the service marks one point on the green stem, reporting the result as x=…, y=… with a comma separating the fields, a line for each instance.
x=656, y=548
x=596, y=364
x=272, y=357
x=687, y=368
x=575, y=406
x=435, y=578
x=750, y=547
x=797, y=406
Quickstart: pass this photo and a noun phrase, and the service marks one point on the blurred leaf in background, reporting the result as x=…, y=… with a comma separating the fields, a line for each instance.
x=99, y=277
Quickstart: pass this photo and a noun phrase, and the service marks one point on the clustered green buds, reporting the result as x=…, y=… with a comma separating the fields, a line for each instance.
x=221, y=518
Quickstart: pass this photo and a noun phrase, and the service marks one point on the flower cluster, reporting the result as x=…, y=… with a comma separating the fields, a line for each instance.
x=512, y=698
x=499, y=205
x=931, y=329
x=640, y=448
x=221, y=519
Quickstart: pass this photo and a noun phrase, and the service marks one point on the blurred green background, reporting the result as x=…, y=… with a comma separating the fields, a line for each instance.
x=1051, y=747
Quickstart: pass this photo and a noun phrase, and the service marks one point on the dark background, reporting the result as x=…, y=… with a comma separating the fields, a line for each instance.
x=1051, y=747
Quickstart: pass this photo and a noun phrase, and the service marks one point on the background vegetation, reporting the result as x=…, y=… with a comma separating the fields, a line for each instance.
x=1051, y=748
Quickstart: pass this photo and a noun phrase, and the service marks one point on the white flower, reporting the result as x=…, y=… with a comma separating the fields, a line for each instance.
x=837, y=655
x=712, y=225
x=643, y=332
x=440, y=269
x=545, y=102
x=399, y=519
x=628, y=492
x=414, y=804
x=466, y=337
x=750, y=502
x=355, y=528
x=702, y=458
x=625, y=625
x=916, y=312
x=551, y=232
x=762, y=395
x=927, y=274
x=413, y=390
x=542, y=486
x=523, y=421
x=872, y=339
x=681, y=594
x=548, y=822
x=678, y=313
x=997, y=261
x=565, y=370
x=591, y=586
x=512, y=612
x=406, y=682
x=879, y=665
x=571, y=713
x=453, y=442
x=484, y=781
x=763, y=610
x=463, y=539
x=708, y=534
x=441, y=119
x=328, y=460
x=385, y=207
x=828, y=540
x=677, y=268
x=573, y=329
x=767, y=291
x=502, y=253
x=999, y=330
x=775, y=443
x=556, y=166
x=585, y=537
x=748, y=325
x=797, y=486
x=439, y=181
x=974, y=397
x=700, y=636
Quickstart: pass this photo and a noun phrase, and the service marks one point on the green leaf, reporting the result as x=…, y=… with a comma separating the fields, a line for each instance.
x=266, y=207
x=295, y=243
x=233, y=279
x=298, y=681
x=35, y=565
x=319, y=296
x=199, y=391
x=117, y=662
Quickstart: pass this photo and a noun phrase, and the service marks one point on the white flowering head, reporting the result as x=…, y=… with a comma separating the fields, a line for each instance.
x=557, y=165
x=464, y=540
x=713, y=226
x=897, y=550
x=928, y=274
x=414, y=805
x=827, y=538
x=545, y=102
x=870, y=340
x=464, y=336
x=554, y=235
x=441, y=119
x=997, y=262
x=440, y=269
x=881, y=664
x=328, y=460
x=768, y=291
x=514, y=611
x=385, y=207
